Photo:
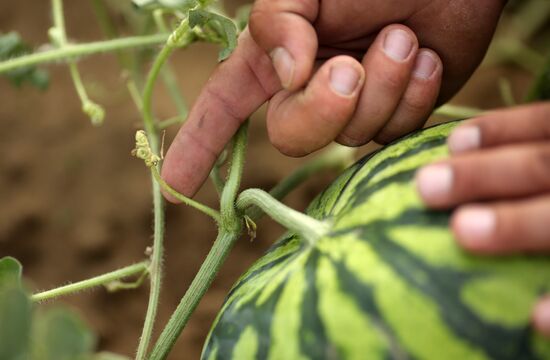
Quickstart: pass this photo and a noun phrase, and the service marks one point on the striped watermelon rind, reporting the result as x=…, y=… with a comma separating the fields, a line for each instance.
x=387, y=282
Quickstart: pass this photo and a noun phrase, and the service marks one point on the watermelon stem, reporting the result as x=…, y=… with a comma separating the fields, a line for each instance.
x=308, y=228
x=229, y=232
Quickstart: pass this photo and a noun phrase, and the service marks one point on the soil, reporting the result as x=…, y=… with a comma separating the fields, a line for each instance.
x=74, y=203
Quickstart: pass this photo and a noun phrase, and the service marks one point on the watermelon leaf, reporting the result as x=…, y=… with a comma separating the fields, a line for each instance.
x=216, y=28
x=11, y=46
x=61, y=335
x=15, y=321
x=10, y=272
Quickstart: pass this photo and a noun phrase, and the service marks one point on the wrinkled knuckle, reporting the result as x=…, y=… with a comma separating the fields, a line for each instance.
x=392, y=80
x=416, y=105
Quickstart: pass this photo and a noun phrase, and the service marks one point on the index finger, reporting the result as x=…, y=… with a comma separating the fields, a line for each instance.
x=220, y=109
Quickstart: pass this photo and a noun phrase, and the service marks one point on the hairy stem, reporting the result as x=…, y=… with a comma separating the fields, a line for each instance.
x=72, y=51
x=179, y=37
x=59, y=37
x=184, y=199
x=230, y=219
x=201, y=283
x=132, y=270
x=307, y=227
x=167, y=74
x=230, y=231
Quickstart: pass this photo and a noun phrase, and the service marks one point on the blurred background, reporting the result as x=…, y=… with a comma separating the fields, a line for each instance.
x=74, y=203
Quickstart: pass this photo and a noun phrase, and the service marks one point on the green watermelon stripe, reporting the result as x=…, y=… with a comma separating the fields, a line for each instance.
x=227, y=329
x=313, y=337
x=349, y=181
x=259, y=271
x=443, y=285
x=408, y=217
x=387, y=163
x=387, y=282
x=359, y=290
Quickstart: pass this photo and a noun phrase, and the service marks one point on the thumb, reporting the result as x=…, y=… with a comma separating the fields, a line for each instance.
x=284, y=29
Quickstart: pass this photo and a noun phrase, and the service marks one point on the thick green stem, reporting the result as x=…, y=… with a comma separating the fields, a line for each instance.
x=207, y=272
x=230, y=219
x=336, y=157
x=72, y=51
x=307, y=227
x=230, y=230
x=101, y=280
x=179, y=37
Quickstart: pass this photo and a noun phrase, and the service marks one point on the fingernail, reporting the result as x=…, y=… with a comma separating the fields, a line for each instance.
x=344, y=79
x=398, y=45
x=284, y=65
x=464, y=138
x=475, y=225
x=425, y=65
x=435, y=182
x=542, y=316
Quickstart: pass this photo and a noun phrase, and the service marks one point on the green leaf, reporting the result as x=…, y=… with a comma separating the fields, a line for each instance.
x=217, y=29
x=541, y=88
x=61, y=335
x=10, y=272
x=15, y=322
x=11, y=46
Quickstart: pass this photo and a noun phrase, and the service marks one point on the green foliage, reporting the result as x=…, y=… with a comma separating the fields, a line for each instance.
x=11, y=46
x=215, y=28
x=57, y=334
x=15, y=312
x=61, y=335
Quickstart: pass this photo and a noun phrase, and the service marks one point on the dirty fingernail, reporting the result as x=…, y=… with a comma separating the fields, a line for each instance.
x=344, y=79
x=463, y=139
x=284, y=65
x=398, y=44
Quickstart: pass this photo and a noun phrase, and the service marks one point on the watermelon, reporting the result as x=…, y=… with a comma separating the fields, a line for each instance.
x=387, y=281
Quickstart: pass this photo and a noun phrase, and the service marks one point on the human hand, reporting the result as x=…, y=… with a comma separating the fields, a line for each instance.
x=498, y=177
x=304, y=56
